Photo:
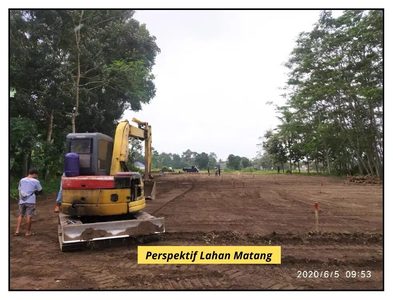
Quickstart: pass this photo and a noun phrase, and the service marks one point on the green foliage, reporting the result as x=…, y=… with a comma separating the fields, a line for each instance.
x=212, y=160
x=333, y=116
x=245, y=162
x=104, y=58
x=233, y=162
x=202, y=160
x=135, y=153
x=23, y=136
x=188, y=158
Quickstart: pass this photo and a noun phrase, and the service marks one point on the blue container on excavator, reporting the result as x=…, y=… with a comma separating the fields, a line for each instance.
x=71, y=164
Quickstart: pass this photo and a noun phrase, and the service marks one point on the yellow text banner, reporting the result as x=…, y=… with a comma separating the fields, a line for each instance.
x=209, y=254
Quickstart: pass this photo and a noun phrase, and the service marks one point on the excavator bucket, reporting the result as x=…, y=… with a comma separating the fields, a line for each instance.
x=150, y=190
x=74, y=233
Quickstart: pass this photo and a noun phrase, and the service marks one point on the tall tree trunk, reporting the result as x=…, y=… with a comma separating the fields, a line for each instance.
x=371, y=171
x=375, y=160
x=49, y=141
x=327, y=161
x=308, y=166
x=372, y=163
x=50, y=128
x=360, y=163
x=77, y=37
x=290, y=156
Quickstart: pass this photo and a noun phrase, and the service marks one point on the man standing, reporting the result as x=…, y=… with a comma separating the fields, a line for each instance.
x=28, y=188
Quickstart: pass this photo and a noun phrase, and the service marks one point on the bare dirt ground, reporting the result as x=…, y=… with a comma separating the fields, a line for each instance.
x=202, y=210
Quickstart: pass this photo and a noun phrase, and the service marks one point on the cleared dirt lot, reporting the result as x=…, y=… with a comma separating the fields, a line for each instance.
x=202, y=210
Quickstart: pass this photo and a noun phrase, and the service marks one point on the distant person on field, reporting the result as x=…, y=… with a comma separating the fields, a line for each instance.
x=28, y=188
x=208, y=171
x=59, y=197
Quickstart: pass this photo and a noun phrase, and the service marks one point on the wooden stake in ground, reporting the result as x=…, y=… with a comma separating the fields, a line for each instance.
x=316, y=216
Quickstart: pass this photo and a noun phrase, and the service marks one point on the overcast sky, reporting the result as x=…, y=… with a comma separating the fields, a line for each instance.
x=214, y=75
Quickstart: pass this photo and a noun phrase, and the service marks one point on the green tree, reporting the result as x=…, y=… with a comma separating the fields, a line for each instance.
x=188, y=157
x=202, y=160
x=177, y=161
x=275, y=147
x=212, y=160
x=233, y=162
x=75, y=68
x=334, y=95
x=245, y=162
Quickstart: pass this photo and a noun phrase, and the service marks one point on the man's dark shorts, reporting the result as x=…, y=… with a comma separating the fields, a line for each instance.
x=27, y=209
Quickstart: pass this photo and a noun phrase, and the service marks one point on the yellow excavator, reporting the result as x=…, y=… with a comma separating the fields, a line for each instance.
x=101, y=199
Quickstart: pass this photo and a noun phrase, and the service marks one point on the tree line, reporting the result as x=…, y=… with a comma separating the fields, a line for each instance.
x=333, y=115
x=188, y=158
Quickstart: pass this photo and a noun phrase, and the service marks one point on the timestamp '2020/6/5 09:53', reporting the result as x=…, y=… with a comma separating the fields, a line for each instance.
x=333, y=274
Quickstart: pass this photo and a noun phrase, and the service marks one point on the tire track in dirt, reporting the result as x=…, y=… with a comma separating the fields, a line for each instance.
x=177, y=197
x=103, y=278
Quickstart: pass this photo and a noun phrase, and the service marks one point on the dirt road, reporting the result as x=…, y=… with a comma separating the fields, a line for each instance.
x=202, y=210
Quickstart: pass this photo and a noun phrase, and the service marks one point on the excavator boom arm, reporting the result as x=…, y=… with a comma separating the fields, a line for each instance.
x=121, y=145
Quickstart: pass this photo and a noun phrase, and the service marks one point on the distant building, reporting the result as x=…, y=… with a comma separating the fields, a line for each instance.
x=139, y=165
